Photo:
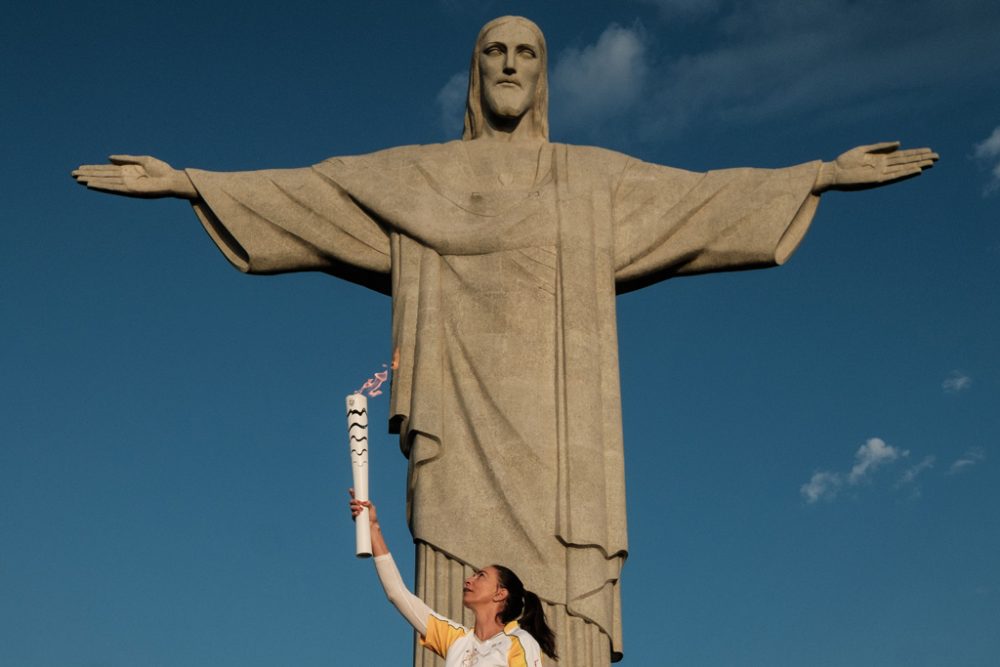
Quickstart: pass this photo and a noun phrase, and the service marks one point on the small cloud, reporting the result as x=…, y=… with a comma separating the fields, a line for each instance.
x=909, y=476
x=451, y=103
x=875, y=453
x=956, y=382
x=911, y=473
x=823, y=485
x=967, y=460
x=988, y=150
x=960, y=465
x=601, y=80
x=871, y=455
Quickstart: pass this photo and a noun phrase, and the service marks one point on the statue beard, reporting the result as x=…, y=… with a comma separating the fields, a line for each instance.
x=507, y=103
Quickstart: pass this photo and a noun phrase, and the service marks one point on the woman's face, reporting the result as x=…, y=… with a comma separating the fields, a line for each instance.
x=483, y=586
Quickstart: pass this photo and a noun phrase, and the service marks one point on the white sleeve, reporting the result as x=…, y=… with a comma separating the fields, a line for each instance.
x=409, y=605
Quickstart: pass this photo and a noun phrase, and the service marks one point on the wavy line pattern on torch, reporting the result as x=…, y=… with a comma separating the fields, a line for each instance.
x=362, y=439
x=362, y=411
x=363, y=451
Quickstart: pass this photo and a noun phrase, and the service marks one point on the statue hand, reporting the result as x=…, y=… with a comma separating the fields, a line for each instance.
x=136, y=176
x=872, y=166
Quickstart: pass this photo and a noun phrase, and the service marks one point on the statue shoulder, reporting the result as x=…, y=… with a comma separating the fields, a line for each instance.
x=397, y=157
x=615, y=162
x=596, y=157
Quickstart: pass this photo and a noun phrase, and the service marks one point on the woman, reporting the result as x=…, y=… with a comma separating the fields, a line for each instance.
x=510, y=628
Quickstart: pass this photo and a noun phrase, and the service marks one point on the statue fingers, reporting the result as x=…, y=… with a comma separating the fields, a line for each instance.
x=919, y=162
x=917, y=151
x=97, y=169
x=891, y=164
x=88, y=172
x=911, y=155
x=84, y=176
x=116, y=185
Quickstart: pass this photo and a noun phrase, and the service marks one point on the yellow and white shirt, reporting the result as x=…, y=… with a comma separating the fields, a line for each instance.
x=457, y=644
x=460, y=647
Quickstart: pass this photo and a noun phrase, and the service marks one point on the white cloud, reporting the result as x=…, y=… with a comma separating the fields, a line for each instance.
x=989, y=150
x=780, y=58
x=601, y=80
x=875, y=453
x=871, y=455
x=955, y=382
x=967, y=460
x=910, y=474
x=823, y=485
x=451, y=103
x=990, y=147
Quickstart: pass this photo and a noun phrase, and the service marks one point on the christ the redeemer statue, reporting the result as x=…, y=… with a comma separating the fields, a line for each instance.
x=503, y=254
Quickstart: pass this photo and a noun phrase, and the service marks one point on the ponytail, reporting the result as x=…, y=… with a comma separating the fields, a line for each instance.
x=533, y=620
x=526, y=608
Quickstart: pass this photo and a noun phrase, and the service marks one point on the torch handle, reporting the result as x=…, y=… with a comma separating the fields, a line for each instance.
x=357, y=437
x=362, y=528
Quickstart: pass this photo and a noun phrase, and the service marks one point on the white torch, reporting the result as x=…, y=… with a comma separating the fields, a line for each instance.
x=357, y=438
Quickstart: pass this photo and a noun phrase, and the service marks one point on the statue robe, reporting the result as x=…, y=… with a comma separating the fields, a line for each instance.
x=503, y=262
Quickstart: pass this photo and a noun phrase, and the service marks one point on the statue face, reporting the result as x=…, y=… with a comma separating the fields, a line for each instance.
x=509, y=67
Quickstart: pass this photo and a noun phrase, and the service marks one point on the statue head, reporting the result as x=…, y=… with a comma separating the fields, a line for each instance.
x=508, y=79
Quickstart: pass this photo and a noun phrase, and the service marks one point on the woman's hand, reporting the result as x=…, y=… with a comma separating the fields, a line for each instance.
x=379, y=546
x=358, y=506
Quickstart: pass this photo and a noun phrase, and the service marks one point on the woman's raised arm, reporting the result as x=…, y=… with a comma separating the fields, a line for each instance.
x=413, y=609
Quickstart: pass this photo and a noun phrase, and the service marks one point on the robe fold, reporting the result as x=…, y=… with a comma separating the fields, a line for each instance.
x=503, y=262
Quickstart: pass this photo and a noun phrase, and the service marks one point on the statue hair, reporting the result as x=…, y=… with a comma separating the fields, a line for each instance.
x=475, y=116
x=524, y=607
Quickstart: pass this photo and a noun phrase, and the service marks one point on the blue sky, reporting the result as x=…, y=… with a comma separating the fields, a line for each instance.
x=812, y=451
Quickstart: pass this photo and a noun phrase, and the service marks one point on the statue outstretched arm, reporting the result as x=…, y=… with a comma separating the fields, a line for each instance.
x=264, y=221
x=136, y=176
x=873, y=166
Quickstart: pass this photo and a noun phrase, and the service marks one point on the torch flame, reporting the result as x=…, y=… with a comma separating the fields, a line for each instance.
x=372, y=384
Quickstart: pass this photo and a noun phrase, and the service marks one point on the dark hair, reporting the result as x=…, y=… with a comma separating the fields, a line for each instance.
x=525, y=607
